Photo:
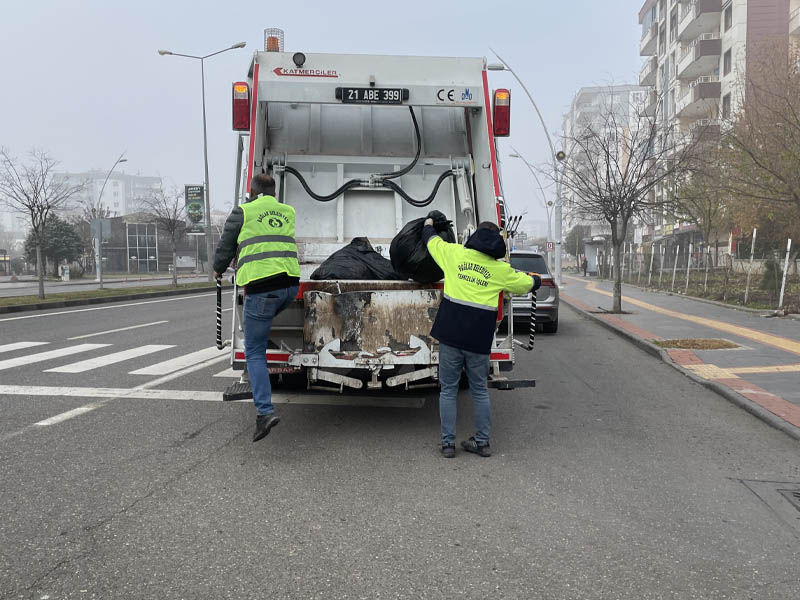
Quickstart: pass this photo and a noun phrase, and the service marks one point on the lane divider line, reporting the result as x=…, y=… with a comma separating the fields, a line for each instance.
x=79, y=310
x=88, y=335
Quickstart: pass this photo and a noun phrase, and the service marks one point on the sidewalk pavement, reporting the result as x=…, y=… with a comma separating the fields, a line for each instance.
x=762, y=374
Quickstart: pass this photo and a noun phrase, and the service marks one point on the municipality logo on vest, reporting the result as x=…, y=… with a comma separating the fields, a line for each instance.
x=276, y=218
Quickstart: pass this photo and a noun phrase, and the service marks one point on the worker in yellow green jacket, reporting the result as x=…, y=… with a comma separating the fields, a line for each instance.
x=465, y=324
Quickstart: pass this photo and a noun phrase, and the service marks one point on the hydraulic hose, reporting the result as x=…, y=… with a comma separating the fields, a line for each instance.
x=408, y=168
x=419, y=203
x=346, y=186
x=382, y=179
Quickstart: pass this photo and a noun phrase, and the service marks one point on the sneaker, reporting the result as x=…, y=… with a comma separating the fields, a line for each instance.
x=479, y=448
x=263, y=424
x=448, y=450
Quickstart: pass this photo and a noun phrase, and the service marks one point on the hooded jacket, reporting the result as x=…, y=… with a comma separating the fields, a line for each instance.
x=473, y=281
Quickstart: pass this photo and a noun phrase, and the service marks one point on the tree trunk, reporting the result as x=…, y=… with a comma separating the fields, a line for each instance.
x=174, y=266
x=40, y=270
x=617, y=277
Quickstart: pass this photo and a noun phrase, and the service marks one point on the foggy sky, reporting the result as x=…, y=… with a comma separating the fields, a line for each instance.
x=83, y=80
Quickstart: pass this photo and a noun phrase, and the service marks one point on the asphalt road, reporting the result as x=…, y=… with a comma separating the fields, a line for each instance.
x=31, y=287
x=616, y=477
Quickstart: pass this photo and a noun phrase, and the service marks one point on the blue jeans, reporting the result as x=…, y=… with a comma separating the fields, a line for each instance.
x=259, y=311
x=451, y=361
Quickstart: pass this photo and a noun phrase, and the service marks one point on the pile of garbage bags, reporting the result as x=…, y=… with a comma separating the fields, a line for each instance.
x=357, y=260
x=409, y=256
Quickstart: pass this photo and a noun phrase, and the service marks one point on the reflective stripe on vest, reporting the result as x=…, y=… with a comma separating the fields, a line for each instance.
x=266, y=241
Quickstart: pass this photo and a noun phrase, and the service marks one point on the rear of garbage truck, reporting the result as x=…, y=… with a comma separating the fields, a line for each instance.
x=360, y=145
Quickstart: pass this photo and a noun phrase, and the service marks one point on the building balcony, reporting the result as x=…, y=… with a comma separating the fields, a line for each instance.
x=649, y=43
x=698, y=17
x=650, y=105
x=706, y=129
x=700, y=98
x=794, y=22
x=647, y=76
x=701, y=57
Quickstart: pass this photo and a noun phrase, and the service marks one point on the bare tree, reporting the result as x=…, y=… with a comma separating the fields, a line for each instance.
x=764, y=136
x=167, y=210
x=615, y=165
x=33, y=189
x=701, y=195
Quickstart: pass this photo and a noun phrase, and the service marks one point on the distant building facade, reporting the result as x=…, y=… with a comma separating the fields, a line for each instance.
x=590, y=109
x=123, y=193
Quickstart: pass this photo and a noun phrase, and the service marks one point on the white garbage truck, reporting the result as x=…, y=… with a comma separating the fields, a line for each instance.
x=360, y=145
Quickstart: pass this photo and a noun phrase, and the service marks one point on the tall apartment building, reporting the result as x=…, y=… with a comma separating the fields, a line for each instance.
x=695, y=62
x=590, y=108
x=123, y=192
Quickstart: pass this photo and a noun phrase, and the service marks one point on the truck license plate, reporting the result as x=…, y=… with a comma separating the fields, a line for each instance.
x=371, y=95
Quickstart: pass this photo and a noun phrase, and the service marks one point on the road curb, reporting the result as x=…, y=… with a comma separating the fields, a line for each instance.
x=17, y=308
x=727, y=393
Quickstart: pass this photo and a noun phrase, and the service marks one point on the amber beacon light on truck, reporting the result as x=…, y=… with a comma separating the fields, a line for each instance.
x=501, y=113
x=241, y=106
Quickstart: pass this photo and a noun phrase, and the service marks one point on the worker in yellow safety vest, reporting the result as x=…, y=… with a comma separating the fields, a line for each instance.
x=466, y=321
x=260, y=234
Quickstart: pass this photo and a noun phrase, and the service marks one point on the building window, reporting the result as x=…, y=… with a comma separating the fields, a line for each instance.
x=726, y=63
x=726, y=106
x=728, y=18
x=673, y=25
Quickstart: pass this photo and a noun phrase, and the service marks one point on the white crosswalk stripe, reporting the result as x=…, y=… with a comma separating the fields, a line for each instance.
x=109, y=359
x=180, y=362
x=229, y=373
x=20, y=361
x=20, y=346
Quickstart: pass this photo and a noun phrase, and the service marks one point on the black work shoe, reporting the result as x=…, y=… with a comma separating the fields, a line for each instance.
x=448, y=450
x=479, y=448
x=263, y=424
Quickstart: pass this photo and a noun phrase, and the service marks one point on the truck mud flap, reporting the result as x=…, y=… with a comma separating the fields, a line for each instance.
x=501, y=383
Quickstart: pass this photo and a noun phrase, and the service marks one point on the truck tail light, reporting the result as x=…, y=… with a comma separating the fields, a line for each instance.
x=241, y=106
x=548, y=282
x=501, y=110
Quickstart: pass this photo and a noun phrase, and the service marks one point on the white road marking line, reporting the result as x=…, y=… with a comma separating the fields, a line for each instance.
x=200, y=396
x=226, y=309
x=109, y=394
x=69, y=312
x=229, y=373
x=20, y=346
x=182, y=372
x=174, y=364
x=109, y=359
x=68, y=415
x=10, y=363
x=80, y=337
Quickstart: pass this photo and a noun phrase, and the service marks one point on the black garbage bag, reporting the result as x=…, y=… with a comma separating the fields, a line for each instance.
x=357, y=260
x=410, y=256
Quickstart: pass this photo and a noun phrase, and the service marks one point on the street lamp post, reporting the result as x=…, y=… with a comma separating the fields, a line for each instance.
x=98, y=242
x=545, y=203
x=209, y=240
x=556, y=156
